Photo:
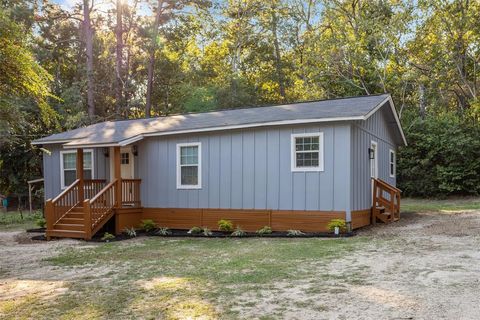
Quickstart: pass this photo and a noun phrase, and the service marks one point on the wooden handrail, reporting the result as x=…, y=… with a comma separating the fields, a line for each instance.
x=70, y=187
x=390, y=204
x=386, y=185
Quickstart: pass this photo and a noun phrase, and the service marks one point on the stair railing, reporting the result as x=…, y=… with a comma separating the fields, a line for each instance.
x=98, y=208
x=62, y=204
x=392, y=203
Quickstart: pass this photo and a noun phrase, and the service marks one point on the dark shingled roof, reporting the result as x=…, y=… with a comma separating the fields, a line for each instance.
x=114, y=132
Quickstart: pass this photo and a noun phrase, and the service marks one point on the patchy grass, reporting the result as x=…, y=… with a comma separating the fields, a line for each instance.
x=180, y=279
x=425, y=205
x=13, y=220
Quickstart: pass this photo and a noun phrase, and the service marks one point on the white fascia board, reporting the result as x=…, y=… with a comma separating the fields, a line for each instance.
x=83, y=146
x=37, y=143
x=394, y=111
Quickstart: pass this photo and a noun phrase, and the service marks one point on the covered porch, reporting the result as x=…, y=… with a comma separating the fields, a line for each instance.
x=86, y=205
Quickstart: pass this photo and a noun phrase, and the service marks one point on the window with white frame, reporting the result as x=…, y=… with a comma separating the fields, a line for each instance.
x=68, y=166
x=392, y=163
x=307, y=151
x=189, y=165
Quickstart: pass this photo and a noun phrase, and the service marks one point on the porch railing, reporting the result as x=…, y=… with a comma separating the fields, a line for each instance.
x=67, y=200
x=131, y=192
x=92, y=187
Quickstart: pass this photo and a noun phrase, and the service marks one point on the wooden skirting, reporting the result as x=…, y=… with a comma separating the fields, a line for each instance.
x=361, y=218
x=127, y=218
x=249, y=220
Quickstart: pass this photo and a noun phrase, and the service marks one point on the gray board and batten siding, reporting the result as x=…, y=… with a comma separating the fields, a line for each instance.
x=249, y=169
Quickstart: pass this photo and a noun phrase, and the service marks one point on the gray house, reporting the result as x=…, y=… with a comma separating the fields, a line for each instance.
x=293, y=166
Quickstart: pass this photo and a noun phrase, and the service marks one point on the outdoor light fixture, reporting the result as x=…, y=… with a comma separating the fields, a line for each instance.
x=135, y=151
x=106, y=152
x=371, y=153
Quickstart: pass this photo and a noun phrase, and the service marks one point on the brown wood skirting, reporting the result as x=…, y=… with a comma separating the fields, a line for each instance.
x=127, y=218
x=249, y=220
x=361, y=218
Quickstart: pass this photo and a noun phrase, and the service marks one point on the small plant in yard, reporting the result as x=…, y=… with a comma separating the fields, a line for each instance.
x=207, y=232
x=41, y=222
x=195, y=230
x=238, y=232
x=264, y=230
x=163, y=231
x=294, y=233
x=148, y=225
x=337, y=223
x=225, y=225
x=107, y=237
x=131, y=232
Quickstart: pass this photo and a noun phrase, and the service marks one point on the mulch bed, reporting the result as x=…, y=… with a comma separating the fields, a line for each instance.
x=177, y=233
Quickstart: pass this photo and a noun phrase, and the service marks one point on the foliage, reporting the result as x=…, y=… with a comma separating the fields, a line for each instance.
x=130, y=232
x=107, y=237
x=264, y=230
x=163, y=231
x=334, y=223
x=443, y=158
x=195, y=230
x=295, y=233
x=207, y=232
x=225, y=225
x=148, y=225
x=41, y=222
x=239, y=232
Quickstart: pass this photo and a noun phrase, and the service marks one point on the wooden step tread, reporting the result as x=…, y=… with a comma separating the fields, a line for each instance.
x=65, y=233
x=68, y=226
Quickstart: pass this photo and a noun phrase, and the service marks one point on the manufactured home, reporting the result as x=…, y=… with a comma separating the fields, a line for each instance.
x=292, y=166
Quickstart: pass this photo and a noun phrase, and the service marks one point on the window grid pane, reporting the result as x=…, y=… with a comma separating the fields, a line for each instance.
x=307, y=151
x=189, y=175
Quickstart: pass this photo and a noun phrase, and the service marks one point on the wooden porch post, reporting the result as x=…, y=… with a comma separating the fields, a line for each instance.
x=79, y=164
x=118, y=175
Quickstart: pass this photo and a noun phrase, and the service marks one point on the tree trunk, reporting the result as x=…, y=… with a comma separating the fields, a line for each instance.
x=118, y=61
x=151, y=60
x=87, y=29
x=278, y=58
x=421, y=101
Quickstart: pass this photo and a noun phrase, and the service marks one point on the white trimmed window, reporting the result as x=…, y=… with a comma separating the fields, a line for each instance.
x=68, y=166
x=392, y=163
x=307, y=151
x=189, y=165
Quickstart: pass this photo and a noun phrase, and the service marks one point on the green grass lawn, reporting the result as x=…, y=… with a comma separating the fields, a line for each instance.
x=157, y=278
x=455, y=204
x=13, y=220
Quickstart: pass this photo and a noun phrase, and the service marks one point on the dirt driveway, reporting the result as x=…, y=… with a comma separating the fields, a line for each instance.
x=426, y=266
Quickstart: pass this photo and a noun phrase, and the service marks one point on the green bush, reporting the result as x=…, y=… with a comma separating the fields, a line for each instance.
x=207, y=232
x=195, y=230
x=163, y=231
x=238, y=232
x=293, y=233
x=442, y=158
x=148, y=225
x=41, y=222
x=340, y=223
x=107, y=237
x=225, y=225
x=264, y=230
x=131, y=232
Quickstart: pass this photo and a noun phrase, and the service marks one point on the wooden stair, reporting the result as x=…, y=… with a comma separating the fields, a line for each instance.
x=71, y=225
x=386, y=202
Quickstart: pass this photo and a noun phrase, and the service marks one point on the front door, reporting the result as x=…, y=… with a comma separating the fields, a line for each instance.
x=126, y=163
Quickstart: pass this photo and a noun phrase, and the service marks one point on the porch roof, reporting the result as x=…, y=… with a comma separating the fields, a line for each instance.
x=121, y=133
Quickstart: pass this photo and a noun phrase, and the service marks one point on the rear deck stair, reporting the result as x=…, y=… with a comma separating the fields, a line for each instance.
x=386, y=202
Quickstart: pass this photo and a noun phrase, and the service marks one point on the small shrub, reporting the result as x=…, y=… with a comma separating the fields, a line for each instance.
x=107, y=237
x=238, y=232
x=207, y=232
x=131, y=232
x=41, y=222
x=340, y=223
x=293, y=233
x=225, y=225
x=264, y=230
x=163, y=231
x=148, y=225
x=195, y=230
